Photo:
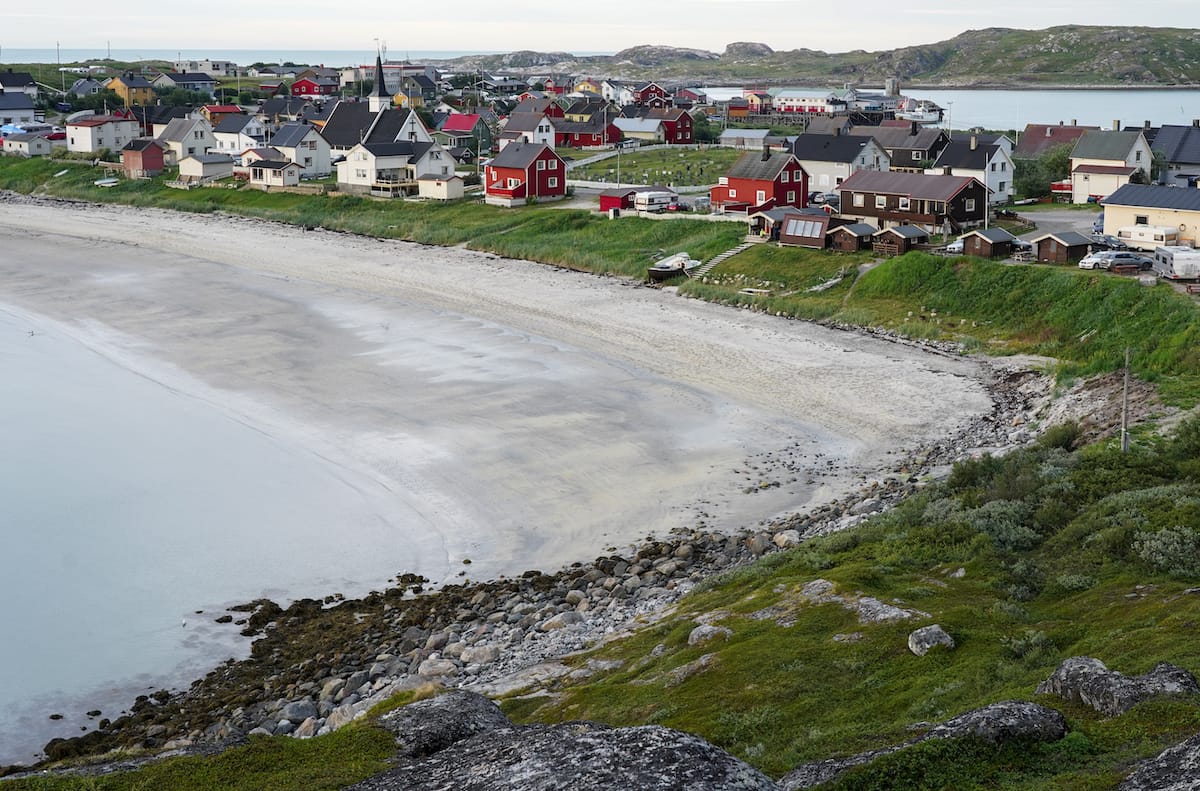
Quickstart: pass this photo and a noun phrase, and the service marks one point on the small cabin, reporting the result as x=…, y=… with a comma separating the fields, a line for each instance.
x=433, y=187
x=1066, y=247
x=804, y=228
x=988, y=243
x=851, y=238
x=898, y=240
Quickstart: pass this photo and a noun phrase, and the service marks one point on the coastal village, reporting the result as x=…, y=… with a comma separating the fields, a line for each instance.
x=843, y=169
x=974, y=538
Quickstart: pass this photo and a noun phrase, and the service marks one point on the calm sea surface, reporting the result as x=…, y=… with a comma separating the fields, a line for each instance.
x=1015, y=109
x=126, y=506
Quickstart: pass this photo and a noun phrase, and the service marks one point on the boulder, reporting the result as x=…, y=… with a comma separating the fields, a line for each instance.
x=435, y=666
x=925, y=638
x=480, y=654
x=1174, y=769
x=433, y=724
x=706, y=633
x=1082, y=679
x=582, y=756
x=298, y=711
x=787, y=538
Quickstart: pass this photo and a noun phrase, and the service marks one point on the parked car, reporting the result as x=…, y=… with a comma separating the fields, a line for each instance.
x=56, y=136
x=1098, y=223
x=680, y=206
x=1022, y=246
x=1108, y=242
x=1107, y=259
x=955, y=247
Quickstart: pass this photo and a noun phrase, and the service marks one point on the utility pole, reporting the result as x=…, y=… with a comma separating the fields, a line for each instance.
x=1125, y=407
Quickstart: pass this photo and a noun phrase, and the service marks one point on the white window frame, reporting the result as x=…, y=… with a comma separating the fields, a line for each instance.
x=880, y=201
x=860, y=200
x=969, y=204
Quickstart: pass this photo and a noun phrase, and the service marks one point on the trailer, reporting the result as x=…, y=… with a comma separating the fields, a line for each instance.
x=1148, y=237
x=654, y=200
x=1175, y=262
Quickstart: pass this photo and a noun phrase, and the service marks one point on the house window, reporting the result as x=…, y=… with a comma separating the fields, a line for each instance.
x=552, y=182
x=783, y=177
x=723, y=181
x=553, y=164
x=880, y=201
x=791, y=196
x=760, y=196
x=1137, y=156
x=1002, y=185
x=733, y=193
x=904, y=203
x=860, y=200
x=916, y=156
x=969, y=204
x=1141, y=219
x=360, y=173
x=513, y=183
x=993, y=167
x=541, y=165
x=1003, y=166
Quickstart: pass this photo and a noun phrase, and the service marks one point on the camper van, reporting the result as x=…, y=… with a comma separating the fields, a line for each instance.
x=1148, y=237
x=1177, y=262
x=654, y=200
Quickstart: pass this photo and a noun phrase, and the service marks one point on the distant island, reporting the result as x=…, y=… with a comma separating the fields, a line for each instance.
x=1066, y=56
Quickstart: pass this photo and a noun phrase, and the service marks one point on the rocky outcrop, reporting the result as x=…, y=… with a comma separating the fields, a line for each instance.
x=651, y=55
x=429, y=726
x=995, y=724
x=746, y=50
x=1082, y=679
x=1174, y=769
x=582, y=756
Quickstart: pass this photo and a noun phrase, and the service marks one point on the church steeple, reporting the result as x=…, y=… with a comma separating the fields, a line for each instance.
x=380, y=98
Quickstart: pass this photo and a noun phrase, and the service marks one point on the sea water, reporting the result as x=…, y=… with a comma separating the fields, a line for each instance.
x=125, y=507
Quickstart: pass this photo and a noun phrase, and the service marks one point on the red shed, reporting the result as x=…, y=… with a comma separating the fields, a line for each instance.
x=142, y=158
x=758, y=182
x=314, y=86
x=617, y=198
x=522, y=171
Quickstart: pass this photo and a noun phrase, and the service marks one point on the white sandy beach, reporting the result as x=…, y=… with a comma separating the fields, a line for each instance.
x=506, y=412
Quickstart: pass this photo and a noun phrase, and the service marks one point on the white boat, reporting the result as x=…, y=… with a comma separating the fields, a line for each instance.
x=107, y=182
x=671, y=266
x=923, y=111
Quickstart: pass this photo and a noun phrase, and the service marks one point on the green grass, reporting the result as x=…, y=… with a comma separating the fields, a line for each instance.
x=683, y=167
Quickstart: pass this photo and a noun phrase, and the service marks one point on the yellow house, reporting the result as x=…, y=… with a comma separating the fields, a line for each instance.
x=132, y=88
x=405, y=100
x=588, y=85
x=1149, y=204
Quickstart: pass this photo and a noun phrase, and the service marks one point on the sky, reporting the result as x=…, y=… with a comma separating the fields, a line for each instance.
x=491, y=26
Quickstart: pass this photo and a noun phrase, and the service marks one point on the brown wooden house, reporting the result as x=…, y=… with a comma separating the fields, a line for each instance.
x=898, y=240
x=1066, y=247
x=988, y=243
x=933, y=202
x=851, y=238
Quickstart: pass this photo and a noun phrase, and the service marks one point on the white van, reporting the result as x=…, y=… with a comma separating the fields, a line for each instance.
x=1148, y=237
x=1177, y=262
x=654, y=200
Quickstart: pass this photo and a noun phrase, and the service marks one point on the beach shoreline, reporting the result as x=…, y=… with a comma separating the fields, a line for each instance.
x=610, y=412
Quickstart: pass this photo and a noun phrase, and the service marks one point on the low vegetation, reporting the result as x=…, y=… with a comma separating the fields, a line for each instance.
x=670, y=166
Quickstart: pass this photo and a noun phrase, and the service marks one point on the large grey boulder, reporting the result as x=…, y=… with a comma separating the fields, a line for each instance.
x=925, y=638
x=430, y=725
x=995, y=724
x=580, y=756
x=1082, y=679
x=1174, y=769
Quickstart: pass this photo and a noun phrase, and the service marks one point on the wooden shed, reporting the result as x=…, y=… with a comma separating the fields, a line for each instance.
x=440, y=187
x=898, y=240
x=1066, y=247
x=988, y=243
x=617, y=198
x=851, y=238
x=804, y=228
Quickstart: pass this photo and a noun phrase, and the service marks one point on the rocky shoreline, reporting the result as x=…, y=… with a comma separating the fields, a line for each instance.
x=318, y=665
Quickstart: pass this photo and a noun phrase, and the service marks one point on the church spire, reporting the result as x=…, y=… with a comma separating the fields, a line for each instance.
x=380, y=98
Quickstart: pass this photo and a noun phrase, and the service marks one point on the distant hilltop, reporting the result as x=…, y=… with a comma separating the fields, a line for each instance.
x=1072, y=55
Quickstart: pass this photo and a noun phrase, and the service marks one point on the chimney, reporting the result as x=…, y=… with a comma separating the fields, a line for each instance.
x=1146, y=125
x=974, y=142
x=946, y=170
x=766, y=154
x=913, y=128
x=837, y=130
x=1048, y=132
x=1074, y=122
x=1196, y=122
x=1116, y=125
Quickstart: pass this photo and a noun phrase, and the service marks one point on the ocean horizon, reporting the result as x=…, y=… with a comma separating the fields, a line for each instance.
x=242, y=57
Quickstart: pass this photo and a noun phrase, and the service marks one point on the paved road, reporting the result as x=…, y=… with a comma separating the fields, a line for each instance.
x=1059, y=220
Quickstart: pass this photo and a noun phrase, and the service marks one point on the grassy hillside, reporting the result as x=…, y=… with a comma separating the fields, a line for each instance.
x=1065, y=55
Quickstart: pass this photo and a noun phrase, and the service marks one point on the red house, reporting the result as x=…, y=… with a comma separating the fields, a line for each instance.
x=677, y=126
x=761, y=181
x=597, y=132
x=142, y=158
x=522, y=171
x=314, y=86
x=651, y=95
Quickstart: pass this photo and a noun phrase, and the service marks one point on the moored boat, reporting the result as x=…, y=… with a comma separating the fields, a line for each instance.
x=671, y=266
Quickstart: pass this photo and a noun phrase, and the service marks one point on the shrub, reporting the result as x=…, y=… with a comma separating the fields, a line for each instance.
x=1025, y=580
x=1031, y=645
x=1063, y=435
x=1005, y=521
x=1071, y=583
x=1174, y=550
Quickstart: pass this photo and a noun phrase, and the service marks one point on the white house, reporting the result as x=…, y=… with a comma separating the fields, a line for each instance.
x=391, y=168
x=617, y=92
x=807, y=100
x=273, y=173
x=28, y=144
x=440, y=187
x=95, y=132
x=213, y=68
x=305, y=146
x=187, y=137
x=648, y=130
x=531, y=128
x=988, y=162
x=1103, y=162
x=205, y=167
x=235, y=133
x=831, y=159
x=17, y=109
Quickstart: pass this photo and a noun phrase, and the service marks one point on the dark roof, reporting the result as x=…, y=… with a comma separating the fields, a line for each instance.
x=291, y=134
x=902, y=137
x=16, y=79
x=1106, y=170
x=232, y=123
x=1039, y=138
x=1065, y=238
x=381, y=90
x=350, y=122
x=907, y=231
x=211, y=159
x=913, y=185
x=751, y=165
x=25, y=137
x=587, y=107
x=533, y=106
x=1155, y=197
x=15, y=101
x=273, y=164
x=265, y=152
x=132, y=80
x=594, y=125
x=856, y=228
x=525, y=121
x=817, y=147
x=1178, y=144
x=185, y=76
x=141, y=144
x=959, y=154
x=402, y=149
x=284, y=105
x=151, y=114
x=1105, y=145
x=618, y=192
x=993, y=235
x=519, y=155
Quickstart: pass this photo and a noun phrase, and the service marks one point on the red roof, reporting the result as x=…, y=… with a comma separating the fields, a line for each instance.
x=222, y=108
x=97, y=120
x=1038, y=138
x=460, y=122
